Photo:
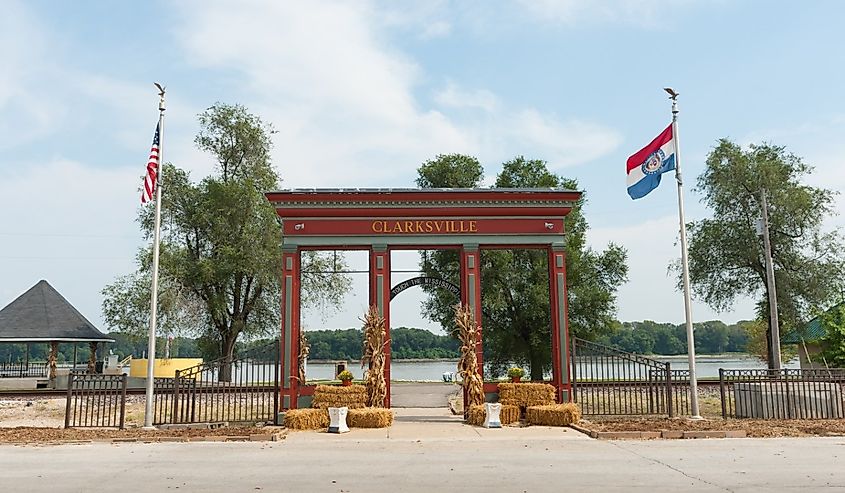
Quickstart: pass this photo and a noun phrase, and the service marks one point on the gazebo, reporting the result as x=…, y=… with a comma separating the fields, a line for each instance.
x=42, y=315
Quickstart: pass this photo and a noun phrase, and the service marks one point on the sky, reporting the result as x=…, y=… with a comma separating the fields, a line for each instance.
x=362, y=92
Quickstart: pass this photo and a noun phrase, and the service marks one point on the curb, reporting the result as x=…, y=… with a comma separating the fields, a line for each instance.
x=663, y=434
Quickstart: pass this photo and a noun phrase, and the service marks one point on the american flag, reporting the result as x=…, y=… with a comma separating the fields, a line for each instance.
x=152, y=171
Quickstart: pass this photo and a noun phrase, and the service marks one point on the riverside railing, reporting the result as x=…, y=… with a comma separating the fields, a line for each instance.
x=608, y=381
x=95, y=400
x=782, y=394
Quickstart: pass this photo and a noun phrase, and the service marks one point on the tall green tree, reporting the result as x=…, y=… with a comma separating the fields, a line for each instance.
x=726, y=254
x=220, y=243
x=515, y=283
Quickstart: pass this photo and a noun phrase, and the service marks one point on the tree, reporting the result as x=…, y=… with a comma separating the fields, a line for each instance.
x=221, y=243
x=726, y=255
x=515, y=283
x=833, y=342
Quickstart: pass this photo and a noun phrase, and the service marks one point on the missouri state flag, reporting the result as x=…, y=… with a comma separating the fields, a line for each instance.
x=647, y=164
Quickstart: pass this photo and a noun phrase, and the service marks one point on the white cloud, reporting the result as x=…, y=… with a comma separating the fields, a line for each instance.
x=453, y=96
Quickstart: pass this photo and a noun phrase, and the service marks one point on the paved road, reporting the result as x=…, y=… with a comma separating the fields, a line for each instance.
x=427, y=394
x=433, y=452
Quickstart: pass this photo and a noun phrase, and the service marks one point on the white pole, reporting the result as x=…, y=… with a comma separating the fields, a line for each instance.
x=151, y=345
x=684, y=261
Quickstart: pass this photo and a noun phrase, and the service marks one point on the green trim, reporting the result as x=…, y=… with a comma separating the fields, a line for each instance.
x=288, y=331
x=380, y=293
x=423, y=240
x=561, y=320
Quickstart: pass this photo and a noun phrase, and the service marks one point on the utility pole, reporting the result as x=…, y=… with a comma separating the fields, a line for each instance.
x=774, y=341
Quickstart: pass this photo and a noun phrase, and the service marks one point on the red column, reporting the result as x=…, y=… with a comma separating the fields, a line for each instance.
x=380, y=297
x=471, y=293
x=289, y=354
x=560, y=323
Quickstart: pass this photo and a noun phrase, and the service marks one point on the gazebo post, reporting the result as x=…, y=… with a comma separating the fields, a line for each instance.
x=92, y=358
x=75, y=345
x=26, y=357
x=51, y=360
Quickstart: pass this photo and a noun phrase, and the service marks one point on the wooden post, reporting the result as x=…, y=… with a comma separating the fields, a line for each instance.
x=92, y=358
x=291, y=261
x=51, y=360
x=471, y=294
x=380, y=297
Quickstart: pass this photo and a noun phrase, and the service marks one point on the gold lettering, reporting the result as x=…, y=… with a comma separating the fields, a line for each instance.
x=473, y=227
x=418, y=227
x=378, y=226
x=428, y=227
x=463, y=229
x=409, y=226
x=397, y=227
x=439, y=225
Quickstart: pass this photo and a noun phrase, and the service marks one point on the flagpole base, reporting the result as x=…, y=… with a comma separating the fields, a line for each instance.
x=695, y=418
x=149, y=428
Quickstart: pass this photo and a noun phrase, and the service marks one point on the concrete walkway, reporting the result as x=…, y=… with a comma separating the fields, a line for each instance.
x=421, y=394
x=427, y=451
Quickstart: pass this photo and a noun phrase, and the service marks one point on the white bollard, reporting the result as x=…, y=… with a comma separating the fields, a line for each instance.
x=337, y=417
x=492, y=412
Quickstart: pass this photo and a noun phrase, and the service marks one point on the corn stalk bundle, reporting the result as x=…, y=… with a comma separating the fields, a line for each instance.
x=374, y=357
x=326, y=396
x=508, y=415
x=554, y=414
x=307, y=419
x=369, y=417
x=468, y=333
x=304, y=350
x=526, y=394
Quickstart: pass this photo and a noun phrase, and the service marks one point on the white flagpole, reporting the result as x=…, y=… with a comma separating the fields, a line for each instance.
x=693, y=380
x=151, y=345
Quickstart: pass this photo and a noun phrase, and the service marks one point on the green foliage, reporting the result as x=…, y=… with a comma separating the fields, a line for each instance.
x=725, y=253
x=515, y=283
x=648, y=337
x=221, y=249
x=405, y=343
x=833, y=343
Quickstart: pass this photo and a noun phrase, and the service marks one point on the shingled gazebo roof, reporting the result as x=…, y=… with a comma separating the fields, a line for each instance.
x=42, y=315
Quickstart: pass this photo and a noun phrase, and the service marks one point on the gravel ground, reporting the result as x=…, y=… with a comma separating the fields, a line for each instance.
x=754, y=427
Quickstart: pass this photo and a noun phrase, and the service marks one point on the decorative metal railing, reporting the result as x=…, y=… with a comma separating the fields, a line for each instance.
x=782, y=394
x=608, y=381
x=245, y=389
x=95, y=400
x=23, y=370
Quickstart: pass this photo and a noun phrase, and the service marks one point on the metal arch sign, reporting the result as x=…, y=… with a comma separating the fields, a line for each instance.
x=425, y=281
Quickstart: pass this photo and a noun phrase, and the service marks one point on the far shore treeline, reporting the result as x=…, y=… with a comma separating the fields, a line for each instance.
x=647, y=337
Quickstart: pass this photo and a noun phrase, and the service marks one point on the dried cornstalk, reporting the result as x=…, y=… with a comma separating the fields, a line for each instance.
x=468, y=333
x=374, y=357
x=304, y=350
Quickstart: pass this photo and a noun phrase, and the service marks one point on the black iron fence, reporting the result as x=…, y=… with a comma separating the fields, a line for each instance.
x=95, y=400
x=23, y=370
x=608, y=381
x=245, y=389
x=782, y=394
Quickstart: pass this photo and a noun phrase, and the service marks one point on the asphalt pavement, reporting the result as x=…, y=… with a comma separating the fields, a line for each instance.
x=427, y=450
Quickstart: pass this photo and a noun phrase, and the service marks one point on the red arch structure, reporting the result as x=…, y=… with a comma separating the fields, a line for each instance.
x=382, y=220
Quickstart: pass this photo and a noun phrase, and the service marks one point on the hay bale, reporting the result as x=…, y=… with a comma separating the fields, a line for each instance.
x=369, y=417
x=326, y=396
x=306, y=419
x=526, y=394
x=553, y=415
x=508, y=415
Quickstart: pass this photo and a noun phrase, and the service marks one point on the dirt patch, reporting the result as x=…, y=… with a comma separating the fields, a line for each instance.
x=754, y=428
x=45, y=435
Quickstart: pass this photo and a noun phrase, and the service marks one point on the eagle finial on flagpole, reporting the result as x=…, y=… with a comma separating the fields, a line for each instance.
x=160, y=95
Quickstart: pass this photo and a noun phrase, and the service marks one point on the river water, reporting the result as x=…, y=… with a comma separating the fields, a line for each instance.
x=707, y=366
